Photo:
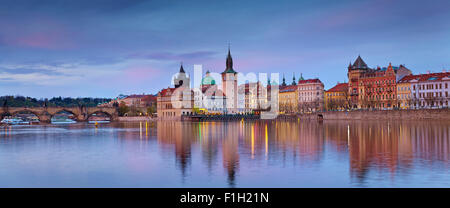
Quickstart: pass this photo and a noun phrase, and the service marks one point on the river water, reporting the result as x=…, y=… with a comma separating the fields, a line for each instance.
x=227, y=154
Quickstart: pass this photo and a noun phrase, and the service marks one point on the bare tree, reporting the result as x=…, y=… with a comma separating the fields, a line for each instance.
x=331, y=104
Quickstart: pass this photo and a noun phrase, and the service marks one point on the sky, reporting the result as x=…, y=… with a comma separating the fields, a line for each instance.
x=99, y=48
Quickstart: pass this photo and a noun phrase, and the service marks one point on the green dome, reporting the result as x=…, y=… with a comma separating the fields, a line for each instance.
x=208, y=80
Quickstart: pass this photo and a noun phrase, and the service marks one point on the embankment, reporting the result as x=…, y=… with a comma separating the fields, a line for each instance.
x=422, y=114
x=135, y=119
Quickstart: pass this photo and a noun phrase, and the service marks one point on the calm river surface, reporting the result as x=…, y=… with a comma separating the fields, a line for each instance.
x=233, y=154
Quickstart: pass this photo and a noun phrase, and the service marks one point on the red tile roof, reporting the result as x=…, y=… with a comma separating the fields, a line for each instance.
x=340, y=87
x=307, y=81
x=165, y=91
x=425, y=77
x=149, y=98
x=289, y=88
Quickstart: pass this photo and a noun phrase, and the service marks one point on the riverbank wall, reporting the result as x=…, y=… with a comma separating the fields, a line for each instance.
x=219, y=117
x=422, y=114
x=135, y=119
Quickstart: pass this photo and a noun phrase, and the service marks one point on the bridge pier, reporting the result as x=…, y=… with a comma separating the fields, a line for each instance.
x=44, y=118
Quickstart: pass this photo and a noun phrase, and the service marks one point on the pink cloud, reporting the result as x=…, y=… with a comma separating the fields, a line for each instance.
x=43, y=40
x=141, y=74
x=43, y=33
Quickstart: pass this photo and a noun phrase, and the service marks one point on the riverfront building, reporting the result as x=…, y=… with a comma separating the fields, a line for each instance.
x=336, y=97
x=429, y=90
x=252, y=97
x=138, y=101
x=209, y=97
x=404, y=93
x=288, y=99
x=377, y=88
x=310, y=95
x=174, y=102
x=374, y=88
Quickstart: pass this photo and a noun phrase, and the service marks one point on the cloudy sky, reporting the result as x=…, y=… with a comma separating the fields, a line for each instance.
x=103, y=48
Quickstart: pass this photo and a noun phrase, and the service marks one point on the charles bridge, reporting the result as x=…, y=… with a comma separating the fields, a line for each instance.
x=46, y=113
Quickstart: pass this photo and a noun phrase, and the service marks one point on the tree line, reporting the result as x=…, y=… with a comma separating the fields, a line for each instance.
x=22, y=101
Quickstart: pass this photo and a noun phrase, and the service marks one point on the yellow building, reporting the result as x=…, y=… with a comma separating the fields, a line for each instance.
x=288, y=99
x=336, y=97
x=404, y=92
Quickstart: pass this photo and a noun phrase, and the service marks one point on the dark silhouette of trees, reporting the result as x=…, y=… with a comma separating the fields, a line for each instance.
x=21, y=101
x=123, y=109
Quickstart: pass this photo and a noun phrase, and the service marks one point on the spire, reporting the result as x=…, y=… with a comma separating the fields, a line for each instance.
x=181, y=68
x=229, y=63
x=293, y=79
x=229, y=59
x=284, y=81
x=301, y=77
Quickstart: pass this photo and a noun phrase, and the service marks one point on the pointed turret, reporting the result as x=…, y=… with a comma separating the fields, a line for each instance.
x=301, y=77
x=181, y=68
x=284, y=81
x=181, y=78
x=293, y=80
x=359, y=64
x=229, y=59
x=229, y=63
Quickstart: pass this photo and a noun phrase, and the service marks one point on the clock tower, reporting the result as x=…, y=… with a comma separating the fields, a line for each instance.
x=229, y=85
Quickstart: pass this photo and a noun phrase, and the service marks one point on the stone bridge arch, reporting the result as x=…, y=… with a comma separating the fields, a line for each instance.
x=17, y=111
x=76, y=111
x=39, y=113
x=97, y=112
x=110, y=112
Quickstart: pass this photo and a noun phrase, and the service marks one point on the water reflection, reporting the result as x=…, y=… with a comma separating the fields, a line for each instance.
x=234, y=154
x=388, y=148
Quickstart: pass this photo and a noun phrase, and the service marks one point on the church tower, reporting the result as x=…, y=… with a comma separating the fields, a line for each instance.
x=181, y=79
x=354, y=74
x=229, y=85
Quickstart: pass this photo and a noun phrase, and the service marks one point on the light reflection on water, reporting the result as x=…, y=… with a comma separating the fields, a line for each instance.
x=232, y=154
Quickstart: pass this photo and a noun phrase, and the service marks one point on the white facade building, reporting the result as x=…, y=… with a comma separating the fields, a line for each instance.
x=310, y=95
x=430, y=90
